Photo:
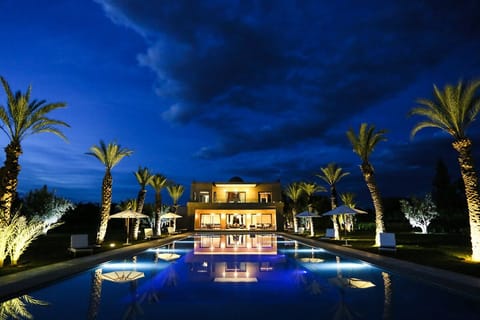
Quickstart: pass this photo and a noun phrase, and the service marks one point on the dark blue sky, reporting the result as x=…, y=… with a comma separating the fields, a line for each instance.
x=207, y=90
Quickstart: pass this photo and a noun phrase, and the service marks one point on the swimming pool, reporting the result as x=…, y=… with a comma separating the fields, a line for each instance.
x=239, y=276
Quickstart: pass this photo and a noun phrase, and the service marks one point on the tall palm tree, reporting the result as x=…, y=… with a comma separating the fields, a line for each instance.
x=310, y=189
x=129, y=204
x=332, y=174
x=109, y=155
x=348, y=199
x=294, y=191
x=143, y=178
x=21, y=117
x=363, y=145
x=453, y=110
x=175, y=191
x=158, y=182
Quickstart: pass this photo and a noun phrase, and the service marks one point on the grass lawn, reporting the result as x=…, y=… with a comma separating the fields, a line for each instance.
x=444, y=251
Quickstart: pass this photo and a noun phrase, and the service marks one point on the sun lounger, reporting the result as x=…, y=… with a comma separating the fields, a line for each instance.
x=79, y=243
x=329, y=233
x=148, y=233
x=387, y=242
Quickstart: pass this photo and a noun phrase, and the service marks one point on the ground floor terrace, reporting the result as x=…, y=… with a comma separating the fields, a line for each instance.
x=235, y=219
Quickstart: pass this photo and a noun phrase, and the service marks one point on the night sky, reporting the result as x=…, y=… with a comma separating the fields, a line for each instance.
x=208, y=90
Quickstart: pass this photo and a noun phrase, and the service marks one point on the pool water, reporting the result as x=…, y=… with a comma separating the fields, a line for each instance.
x=244, y=276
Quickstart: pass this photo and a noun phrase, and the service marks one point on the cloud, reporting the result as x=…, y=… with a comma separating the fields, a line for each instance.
x=300, y=66
x=271, y=86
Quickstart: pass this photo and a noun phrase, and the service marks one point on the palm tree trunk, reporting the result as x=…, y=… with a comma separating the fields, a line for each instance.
x=312, y=232
x=368, y=174
x=470, y=180
x=295, y=224
x=140, y=202
x=333, y=203
x=158, y=210
x=106, y=203
x=9, y=180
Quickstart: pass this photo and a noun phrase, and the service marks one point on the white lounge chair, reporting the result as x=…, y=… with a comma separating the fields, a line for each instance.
x=387, y=242
x=79, y=243
x=148, y=233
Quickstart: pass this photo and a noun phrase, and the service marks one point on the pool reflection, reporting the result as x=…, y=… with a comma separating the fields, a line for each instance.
x=243, y=276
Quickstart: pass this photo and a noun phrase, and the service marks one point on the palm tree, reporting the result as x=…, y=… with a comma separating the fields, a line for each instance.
x=294, y=192
x=310, y=189
x=158, y=182
x=143, y=177
x=175, y=191
x=363, y=145
x=332, y=174
x=129, y=204
x=21, y=117
x=109, y=155
x=348, y=199
x=453, y=110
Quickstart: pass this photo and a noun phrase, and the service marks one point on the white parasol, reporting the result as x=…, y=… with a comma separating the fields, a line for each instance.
x=128, y=214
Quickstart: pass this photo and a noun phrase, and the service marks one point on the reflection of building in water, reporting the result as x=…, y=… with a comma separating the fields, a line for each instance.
x=233, y=257
x=219, y=244
x=235, y=205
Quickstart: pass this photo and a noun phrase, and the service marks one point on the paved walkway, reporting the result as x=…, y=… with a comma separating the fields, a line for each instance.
x=21, y=282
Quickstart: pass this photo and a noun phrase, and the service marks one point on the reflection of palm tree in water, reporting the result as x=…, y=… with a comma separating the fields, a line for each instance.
x=171, y=276
x=151, y=293
x=342, y=310
x=95, y=294
x=306, y=279
x=167, y=278
x=134, y=309
x=135, y=299
x=387, y=283
x=16, y=308
x=307, y=282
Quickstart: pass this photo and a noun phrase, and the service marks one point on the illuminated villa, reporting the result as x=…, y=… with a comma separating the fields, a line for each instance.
x=236, y=205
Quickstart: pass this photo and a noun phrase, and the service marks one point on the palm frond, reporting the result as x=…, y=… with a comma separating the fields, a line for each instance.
x=23, y=117
x=143, y=176
x=109, y=155
x=365, y=142
x=175, y=191
x=158, y=182
x=294, y=191
x=452, y=109
x=332, y=173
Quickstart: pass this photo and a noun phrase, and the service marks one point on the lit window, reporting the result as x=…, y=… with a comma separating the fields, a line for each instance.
x=234, y=197
x=265, y=197
x=204, y=196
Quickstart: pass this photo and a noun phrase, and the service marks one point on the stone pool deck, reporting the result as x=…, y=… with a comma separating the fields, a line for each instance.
x=22, y=282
